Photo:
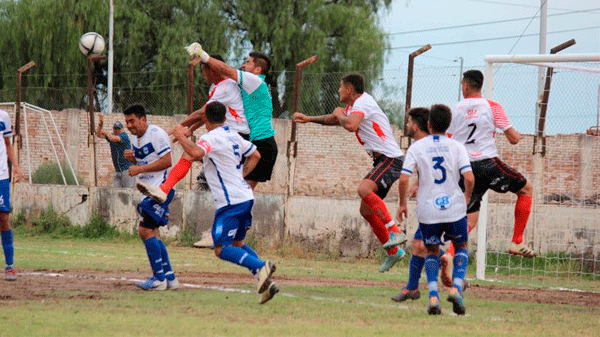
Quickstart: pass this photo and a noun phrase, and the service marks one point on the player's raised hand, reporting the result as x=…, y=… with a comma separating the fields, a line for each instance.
x=300, y=118
x=195, y=50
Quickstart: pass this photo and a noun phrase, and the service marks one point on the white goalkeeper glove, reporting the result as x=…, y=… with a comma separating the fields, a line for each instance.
x=195, y=49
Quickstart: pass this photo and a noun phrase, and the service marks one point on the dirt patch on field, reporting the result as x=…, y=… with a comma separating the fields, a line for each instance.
x=92, y=285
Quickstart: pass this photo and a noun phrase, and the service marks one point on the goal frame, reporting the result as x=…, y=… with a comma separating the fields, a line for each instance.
x=488, y=86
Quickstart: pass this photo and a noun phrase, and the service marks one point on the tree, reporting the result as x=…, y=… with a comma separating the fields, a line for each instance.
x=343, y=33
x=148, y=42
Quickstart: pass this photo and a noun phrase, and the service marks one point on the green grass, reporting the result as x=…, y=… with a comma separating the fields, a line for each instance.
x=299, y=310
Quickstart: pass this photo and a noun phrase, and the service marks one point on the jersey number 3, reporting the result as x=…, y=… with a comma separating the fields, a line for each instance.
x=438, y=166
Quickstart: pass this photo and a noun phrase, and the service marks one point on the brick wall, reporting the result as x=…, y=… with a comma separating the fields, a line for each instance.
x=329, y=162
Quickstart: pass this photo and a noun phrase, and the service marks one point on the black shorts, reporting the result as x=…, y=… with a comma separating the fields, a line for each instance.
x=493, y=174
x=268, y=154
x=385, y=172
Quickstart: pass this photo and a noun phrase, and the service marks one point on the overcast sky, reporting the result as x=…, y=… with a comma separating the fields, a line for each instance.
x=413, y=15
x=411, y=24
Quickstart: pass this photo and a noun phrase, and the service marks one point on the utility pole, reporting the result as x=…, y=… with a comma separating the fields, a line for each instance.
x=462, y=60
x=111, y=30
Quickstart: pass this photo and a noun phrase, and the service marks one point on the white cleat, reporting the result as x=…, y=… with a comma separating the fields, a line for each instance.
x=152, y=191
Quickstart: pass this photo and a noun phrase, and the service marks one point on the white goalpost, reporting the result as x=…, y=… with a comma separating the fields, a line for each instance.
x=538, y=176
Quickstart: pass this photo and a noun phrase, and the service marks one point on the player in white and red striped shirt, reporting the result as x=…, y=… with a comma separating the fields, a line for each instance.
x=363, y=116
x=474, y=123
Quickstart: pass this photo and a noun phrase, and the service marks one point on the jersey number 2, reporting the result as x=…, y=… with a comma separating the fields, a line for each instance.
x=237, y=154
x=438, y=166
x=469, y=140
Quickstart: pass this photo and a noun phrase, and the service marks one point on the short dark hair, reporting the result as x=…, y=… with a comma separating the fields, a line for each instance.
x=261, y=60
x=440, y=117
x=215, y=112
x=135, y=109
x=420, y=116
x=356, y=80
x=474, y=78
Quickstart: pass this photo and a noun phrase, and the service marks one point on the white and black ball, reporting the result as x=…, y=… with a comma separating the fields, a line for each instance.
x=91, y=44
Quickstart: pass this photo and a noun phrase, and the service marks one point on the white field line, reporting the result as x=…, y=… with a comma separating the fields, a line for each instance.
x=224, y=289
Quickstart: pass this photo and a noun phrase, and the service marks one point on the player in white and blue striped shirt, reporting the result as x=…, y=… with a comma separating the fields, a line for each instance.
x=441, y=204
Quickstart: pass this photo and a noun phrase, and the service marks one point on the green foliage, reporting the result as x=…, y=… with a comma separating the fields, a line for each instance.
x=19, y=219
x=149, y=62
x=97, y=227
x=149, y=39
x=49, y=173
x=344, y=34
x=50, y=222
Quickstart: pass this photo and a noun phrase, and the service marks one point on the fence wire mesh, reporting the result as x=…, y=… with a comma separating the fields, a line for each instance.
x=563, y=226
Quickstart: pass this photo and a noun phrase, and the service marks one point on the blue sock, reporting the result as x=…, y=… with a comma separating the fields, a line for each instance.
x=7, y=245
x=432, y=267
x=166, y=263
x=154, y=256
x=414, y=272
x=250, y=251
x=240, y=257
x=461, y=260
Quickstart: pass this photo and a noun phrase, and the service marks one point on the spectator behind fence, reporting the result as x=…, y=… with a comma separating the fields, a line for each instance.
x=119, y=142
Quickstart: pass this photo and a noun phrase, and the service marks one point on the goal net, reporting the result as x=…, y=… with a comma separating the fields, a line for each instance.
x=560, y=155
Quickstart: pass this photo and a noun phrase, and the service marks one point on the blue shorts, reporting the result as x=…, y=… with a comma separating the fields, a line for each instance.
x=454, y=231
x=231, y=223
x=418, y=234
x=5, y=195
x=154, y=214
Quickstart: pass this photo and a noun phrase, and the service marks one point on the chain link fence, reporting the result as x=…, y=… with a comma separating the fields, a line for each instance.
x=330, y=162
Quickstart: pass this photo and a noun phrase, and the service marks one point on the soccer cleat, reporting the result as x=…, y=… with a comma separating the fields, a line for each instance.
x=445, y=273
x=390, y=260
x=268, y=294
x=407, y=294
x=458, y=305
x=152, y=191
x=264, y=274
x=173, y=284
x=152, y=284
x=10, y=274
x=520, y=249
x=434, y=306
x=394, y=240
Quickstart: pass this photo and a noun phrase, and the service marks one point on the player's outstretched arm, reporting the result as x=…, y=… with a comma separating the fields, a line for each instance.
x=194, y=117
x=301, y=118
x=469, y=180
x=179, y=132
x=251, y=162
x=349, y=123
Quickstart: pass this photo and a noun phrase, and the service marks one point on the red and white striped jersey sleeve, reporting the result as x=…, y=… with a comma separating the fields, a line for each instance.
x=499, y=114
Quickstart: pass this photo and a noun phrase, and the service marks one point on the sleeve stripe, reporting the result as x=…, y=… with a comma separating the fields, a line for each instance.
x=406, y=170
x=250, y=149
x=164, y=150
x=465, y=168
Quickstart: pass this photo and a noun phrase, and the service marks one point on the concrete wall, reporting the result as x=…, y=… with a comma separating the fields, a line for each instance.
x=322, y=224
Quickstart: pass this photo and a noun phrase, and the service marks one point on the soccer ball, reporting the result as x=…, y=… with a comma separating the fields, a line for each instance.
x=91, y=44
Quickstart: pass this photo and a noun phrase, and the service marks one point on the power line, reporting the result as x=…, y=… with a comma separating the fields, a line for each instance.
x=517, y=5
x=524, y=30
x=485, y=23
x=493, y=38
